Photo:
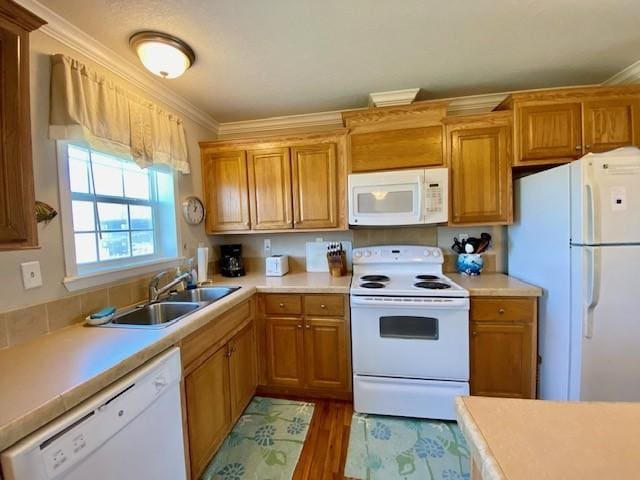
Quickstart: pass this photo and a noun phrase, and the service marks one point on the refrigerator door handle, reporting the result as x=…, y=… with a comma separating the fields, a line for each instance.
x=593, y=291
x=591, y=214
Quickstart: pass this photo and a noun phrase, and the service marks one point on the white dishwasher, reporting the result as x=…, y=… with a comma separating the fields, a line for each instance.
x=130, y=430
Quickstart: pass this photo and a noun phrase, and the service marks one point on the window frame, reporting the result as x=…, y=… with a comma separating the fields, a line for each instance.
x=99, y=273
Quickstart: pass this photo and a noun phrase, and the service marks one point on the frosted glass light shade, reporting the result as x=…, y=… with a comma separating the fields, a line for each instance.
x=162, y=54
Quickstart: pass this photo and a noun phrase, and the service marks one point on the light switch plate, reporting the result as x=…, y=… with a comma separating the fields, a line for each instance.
x=31, y=276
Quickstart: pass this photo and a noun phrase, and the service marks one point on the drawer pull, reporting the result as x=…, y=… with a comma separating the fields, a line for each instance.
x=281, y=305
x=299, y=325
x=501, y=311
x=307, y=325
x=475, y=334
x=323, y=306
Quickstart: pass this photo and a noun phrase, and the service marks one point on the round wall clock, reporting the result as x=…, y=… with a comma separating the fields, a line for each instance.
x=193, y=210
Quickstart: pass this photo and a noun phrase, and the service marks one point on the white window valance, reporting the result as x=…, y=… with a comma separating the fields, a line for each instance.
x=89, y=107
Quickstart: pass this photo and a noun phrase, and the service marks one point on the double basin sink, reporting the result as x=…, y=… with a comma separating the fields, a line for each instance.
x=170, y=309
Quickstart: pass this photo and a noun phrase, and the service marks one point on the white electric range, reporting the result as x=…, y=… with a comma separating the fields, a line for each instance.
x=410, y=333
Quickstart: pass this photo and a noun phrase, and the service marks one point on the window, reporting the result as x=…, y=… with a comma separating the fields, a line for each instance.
x=116, y=214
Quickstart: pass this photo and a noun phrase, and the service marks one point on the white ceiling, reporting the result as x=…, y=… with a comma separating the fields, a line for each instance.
x=263, y=58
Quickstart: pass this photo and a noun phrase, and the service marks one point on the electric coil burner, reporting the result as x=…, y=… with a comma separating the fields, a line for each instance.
x=432, y=285
x=410, y=333
x=427, y=277
x=375, y=278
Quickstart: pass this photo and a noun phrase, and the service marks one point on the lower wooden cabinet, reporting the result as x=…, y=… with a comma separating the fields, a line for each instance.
x=503, y=347
x=307, y=353
x=208, y=408
x=220, y=378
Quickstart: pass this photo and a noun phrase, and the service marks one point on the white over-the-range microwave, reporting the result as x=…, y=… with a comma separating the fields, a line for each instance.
x=400, y=197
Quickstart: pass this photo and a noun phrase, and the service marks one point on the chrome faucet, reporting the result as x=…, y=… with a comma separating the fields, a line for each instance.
x=155, y=292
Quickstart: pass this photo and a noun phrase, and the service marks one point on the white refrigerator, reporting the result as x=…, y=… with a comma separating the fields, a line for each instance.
x=577, y=235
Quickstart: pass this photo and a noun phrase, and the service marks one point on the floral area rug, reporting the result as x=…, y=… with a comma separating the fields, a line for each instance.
x=265, y=443
x=406, y=448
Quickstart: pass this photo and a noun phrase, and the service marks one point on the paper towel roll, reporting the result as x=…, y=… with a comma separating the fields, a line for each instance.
x=203, y=263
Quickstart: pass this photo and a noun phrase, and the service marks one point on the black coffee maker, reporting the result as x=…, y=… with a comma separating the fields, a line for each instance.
x=231, y=261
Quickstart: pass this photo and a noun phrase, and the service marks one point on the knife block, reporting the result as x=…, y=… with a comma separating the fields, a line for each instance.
x=337, y=264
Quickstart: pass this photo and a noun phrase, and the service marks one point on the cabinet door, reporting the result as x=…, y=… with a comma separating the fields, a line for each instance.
x=243, y=373
x=285, y=356
x=226, y=191
x=208, y=409
x=326, y=353
x=315, y=199
x=481, y=175
x=270, y=188
x=403, y=148
x=549, y=133
x=501, y=360
x=17, y=207
x=610, y=124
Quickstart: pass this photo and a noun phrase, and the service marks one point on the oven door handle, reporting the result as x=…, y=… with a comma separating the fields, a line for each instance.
x=410, y=302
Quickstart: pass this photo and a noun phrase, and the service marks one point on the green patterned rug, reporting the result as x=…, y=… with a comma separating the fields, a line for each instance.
x=387, y=448
x=265, y=443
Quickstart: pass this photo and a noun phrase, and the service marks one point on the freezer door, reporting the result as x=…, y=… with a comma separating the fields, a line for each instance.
x=606, y=198
x=605, y=312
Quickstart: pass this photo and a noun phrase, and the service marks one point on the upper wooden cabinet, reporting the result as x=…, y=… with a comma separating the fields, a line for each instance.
x=479, y=149
x=17, y=197
x=226, y=191
x=550, y=132
x=270, y=189
x=610, y=124
x=276, y=184
x=396, y=137
x=315, y=199
x=561, y=125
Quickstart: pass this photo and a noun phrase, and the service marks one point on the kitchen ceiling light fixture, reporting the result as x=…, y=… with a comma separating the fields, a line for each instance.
x=162, y=54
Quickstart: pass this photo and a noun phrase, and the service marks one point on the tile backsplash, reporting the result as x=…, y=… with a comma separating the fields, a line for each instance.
x=24, y=324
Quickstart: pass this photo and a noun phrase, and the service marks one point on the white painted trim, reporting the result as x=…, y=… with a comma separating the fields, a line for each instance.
x=475, y=103
x=68, y=34
x=281, y=123
x=76, y=283
x=630, y=74
x=393, y=97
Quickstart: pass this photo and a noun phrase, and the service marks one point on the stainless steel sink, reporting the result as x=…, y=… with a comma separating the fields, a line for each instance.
x=155, y=315
x=204, y=294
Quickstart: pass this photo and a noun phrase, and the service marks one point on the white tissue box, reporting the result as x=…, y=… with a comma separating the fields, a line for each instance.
x=277, y=265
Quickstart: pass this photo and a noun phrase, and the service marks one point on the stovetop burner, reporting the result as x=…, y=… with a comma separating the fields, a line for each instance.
x=427, y=277
x=375, y=278
x=372, y=285
x=432, y=285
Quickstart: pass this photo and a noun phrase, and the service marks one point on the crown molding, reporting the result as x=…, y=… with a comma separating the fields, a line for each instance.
x=393, y=97
x=626, y=76
x=68, y=34
x=475, y=103
x=306, y=120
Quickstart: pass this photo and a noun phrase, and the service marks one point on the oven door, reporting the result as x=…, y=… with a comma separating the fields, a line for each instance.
x=423, y=338
x=386, y=198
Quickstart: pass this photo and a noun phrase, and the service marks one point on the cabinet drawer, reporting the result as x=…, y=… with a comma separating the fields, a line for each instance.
x=502, y=309
x=280, y=304
x=324, y=305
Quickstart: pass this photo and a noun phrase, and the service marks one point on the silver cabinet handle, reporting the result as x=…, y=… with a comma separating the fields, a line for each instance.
x=323, y=306
x=501, y=311
x=281, y=305
x=578, y=147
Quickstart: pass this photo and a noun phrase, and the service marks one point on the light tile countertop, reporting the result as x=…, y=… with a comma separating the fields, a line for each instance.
x=48, y=376
x=495, y=285
x=512, y=439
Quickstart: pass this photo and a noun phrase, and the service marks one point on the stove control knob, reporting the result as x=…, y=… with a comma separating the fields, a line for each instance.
x=436, y=253
x=367, y=253
x=357, y=254
x=427, y=253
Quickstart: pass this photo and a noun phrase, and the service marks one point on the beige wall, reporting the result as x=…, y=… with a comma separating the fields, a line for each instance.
x=50, y=255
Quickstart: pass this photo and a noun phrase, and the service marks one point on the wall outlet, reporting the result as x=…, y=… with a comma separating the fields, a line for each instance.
x=31, y=276
x=267, y=247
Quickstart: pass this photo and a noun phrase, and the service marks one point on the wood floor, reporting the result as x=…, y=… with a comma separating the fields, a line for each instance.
x=325, y=449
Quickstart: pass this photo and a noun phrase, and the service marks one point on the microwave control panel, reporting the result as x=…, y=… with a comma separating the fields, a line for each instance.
x=436, y=195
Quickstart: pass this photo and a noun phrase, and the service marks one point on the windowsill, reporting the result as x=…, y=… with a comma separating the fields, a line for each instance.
x=97, y=279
